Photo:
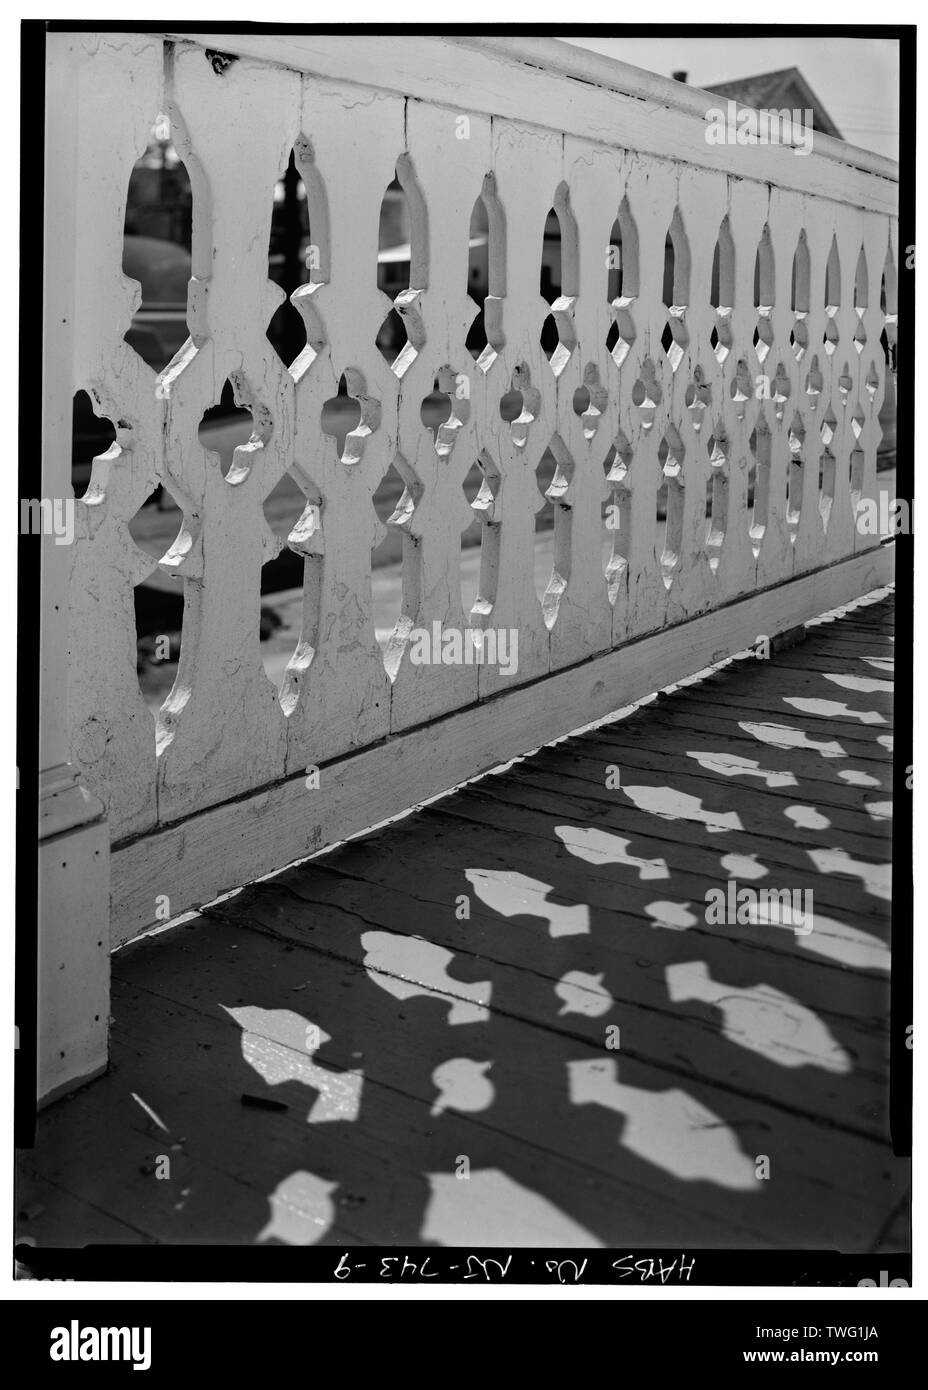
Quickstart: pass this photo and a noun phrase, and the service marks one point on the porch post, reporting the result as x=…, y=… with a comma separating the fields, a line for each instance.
x=73, y=859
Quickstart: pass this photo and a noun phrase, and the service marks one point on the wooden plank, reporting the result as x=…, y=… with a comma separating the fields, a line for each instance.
x=218, y=850
x=628, y=960
x=707, y=718
x=588, y=777
x=176, y=1046
x=612, y=887
x=233, y=1158
x=515, y=807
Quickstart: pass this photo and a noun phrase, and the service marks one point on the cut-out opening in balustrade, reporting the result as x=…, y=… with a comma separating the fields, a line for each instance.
x=446, y=409
x=886, y=449
x=759, y=445
x=225, y=427
x=92, y=436
x=831, y=335
x=616, y=516
x=861, y=300
x=297, y=259
x=480, y=541
x=393, y=572
x=669, y=504
x=676, y=291
x=794, y=481
x=559, y=281
x=284, y=509
x=858, y=461
x=401, y=267
x=160, y=531
x=800, y=296
x=814, y=383
x=717, y=495
x=646, y=394
x=764, y=295
x=621, y=283
x=826, y=485
x=544, y=524
x=554, y=519
x=520, y=405
x=722, y=291
x=486, y=276
x=291, y=586
x=342, y=420
x=590, y=401
x=156, y=248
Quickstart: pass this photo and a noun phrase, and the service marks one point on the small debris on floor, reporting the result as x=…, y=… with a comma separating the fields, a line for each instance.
x=263, y=1103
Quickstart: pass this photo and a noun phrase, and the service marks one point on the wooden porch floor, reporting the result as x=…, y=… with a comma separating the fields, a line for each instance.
x=331, y=1051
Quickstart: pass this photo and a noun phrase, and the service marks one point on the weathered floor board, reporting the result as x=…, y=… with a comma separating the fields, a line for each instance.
x=521, y=984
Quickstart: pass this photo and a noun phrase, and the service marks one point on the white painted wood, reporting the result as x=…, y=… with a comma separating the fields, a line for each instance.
x=596, y=98
x=112, y=735
x=74, y=838
x=544, y=125
x=73, y=995
x=221, y=728
x=220, y=849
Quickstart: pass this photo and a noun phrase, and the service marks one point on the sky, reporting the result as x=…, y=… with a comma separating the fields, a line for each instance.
x=856, y=80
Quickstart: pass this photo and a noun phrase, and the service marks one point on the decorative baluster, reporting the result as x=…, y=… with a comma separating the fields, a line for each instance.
x=345, y=692
x=587, y=409
x=450, y=171
x=528, y=165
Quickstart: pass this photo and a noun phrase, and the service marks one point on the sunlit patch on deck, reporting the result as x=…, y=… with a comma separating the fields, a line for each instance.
x=582, y=993
x=602, y=847
x=674, y=805
x=866, y=685
x=833, y=709
x=858, y=779
x=845, y=945
x=463, y=1085
x=743, y=866
x=408, y=966
x=672, y=916
x=761, y=1019
x=281, y=1046
x=732, y=765
x=807, y=818
x=785, y=736
x=492, y=1209
x=667, y=1128
x=517, y=895
x=876, y=878
x=301, y=1210
x=879, y=810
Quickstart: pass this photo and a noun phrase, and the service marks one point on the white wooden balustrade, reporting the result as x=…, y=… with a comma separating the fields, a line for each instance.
x=781, y=371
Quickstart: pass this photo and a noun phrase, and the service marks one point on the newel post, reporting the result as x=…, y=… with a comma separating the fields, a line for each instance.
x=73, y=862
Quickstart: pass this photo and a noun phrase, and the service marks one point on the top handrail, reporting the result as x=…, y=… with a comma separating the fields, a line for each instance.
x=360, y=58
